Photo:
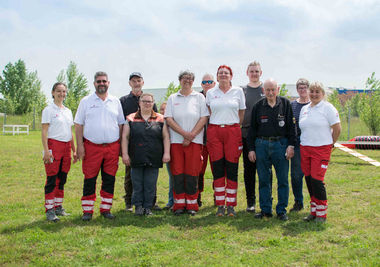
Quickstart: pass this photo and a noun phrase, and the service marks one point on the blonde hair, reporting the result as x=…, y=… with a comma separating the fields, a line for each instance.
x=319, y=85
x=147, y=94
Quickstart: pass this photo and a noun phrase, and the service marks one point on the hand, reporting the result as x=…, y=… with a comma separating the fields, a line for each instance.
x=75, y=157
x=166, y=158
x=80, y=152
x=126, y=159
x=289, y=153
x=252, y=156
x=186, y=142
x=189, y=136
x=48, y=157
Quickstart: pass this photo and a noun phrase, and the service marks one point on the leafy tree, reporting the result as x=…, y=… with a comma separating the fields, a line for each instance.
x=171, y=90
x=22, y=89
x=369, y=105
x=283, y=91
x=334, y=99
x=76, y=86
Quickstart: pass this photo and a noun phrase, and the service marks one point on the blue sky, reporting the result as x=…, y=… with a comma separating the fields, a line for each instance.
x=335, y=42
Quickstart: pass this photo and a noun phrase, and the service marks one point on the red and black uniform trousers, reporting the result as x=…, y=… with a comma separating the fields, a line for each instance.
x=201, y=181
x=103, y=157
x=185, y=165
x=314, y=163
x=56, y=173
x=224, y=144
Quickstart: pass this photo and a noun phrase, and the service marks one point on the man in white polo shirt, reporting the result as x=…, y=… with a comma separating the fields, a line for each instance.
x=98, y=125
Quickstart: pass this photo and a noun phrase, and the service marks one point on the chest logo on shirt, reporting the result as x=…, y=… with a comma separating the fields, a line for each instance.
x=264, y=119
x=281, y=120
x=94, y=106
x=176, y=104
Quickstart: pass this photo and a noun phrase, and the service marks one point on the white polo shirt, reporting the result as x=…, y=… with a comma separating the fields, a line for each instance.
x=315, y=124
x=225, y=106
x=101, y=119
x=60, y=121
x=186, y=112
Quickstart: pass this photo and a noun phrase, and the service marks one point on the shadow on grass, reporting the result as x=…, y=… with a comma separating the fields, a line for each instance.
x=242, y=222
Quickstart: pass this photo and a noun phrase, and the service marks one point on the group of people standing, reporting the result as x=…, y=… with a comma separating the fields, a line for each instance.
x=219, y=123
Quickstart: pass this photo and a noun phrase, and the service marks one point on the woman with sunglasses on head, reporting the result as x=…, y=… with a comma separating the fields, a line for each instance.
x=226, y=103
x=186, y=114
x=207, y=84
x=320, y=129
x=57, y=140
x=145, y=147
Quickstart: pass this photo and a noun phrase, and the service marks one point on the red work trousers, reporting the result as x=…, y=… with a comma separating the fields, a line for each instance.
x=185, y=165
x=201, y=180
x=224, y=144
x=314, y=163
x=56, y=173
x=104, y=157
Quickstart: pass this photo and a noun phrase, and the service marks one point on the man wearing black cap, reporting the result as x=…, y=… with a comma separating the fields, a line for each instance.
x=130, y=104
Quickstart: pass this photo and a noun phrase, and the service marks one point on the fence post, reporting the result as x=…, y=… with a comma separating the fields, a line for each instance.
x=349, y=119
x=34, y=118
x=5, y=115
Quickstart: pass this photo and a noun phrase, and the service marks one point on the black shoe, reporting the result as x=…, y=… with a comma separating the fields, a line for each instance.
x=309, y=218
x=148, y=212
x=178, y=212
x=263, y=214
x=282, y=217
x=168, y=207
x=86, y=216
x=108, y=215
x=296, y=207
x=250, y=204
x=192, y=212
x=156, y=207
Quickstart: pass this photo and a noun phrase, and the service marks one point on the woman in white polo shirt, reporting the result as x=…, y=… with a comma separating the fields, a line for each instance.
x=320, y=129
x=186, y=113
x=57, y=140
x=224, y=140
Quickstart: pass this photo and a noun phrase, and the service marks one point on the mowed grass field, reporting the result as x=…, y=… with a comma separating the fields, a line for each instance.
x=350, y=238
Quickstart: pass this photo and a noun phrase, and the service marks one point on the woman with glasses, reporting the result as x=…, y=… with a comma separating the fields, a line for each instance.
x=226, y=103
x=57, y=140
x=145, y=147
x=186, y=114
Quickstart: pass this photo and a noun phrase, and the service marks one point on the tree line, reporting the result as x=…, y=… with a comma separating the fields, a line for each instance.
x=22, y=91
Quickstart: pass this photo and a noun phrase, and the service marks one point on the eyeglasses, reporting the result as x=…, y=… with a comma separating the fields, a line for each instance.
x=207, y=82
x=101, y=81
x=146, y=101
x=187, y=78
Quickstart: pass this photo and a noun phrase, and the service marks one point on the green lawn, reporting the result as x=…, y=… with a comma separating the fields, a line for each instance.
x=350, y=238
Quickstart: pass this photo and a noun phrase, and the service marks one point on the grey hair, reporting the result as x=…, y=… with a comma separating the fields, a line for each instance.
x=302, y=81
x=100, y=73
x=186, y=72
x=208, y=74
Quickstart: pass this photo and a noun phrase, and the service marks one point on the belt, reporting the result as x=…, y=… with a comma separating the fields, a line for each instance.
x=271, y=138
x=225, y=125
x=101, y=145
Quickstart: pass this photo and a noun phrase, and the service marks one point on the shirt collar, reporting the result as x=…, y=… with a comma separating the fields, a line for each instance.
x=153, y=115
x=56, y=107
x=277, y=101
x=192, y=93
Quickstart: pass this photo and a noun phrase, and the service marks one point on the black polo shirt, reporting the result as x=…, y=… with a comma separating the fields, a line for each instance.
x=272, y=122
x=130, y=104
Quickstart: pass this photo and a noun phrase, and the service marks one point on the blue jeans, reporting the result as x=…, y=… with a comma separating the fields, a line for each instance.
x=144, y=182
x=267, y=154
x=296, y=173
x=171, y=198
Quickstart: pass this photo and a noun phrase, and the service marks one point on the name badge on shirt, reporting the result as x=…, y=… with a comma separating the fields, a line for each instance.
x=281, y=121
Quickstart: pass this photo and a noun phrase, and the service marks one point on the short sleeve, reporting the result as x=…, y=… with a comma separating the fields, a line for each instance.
x=120, y=117
x=241, y=99
x=79, y=116
x=169, y=109
x=204, y=109
x=332, y=114
x=46, y=116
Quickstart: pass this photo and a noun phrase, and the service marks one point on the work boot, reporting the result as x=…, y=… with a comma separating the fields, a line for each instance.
x=282, y=217
x=309, y=218
x=192, y=212
x=86, y=216
x=148, y=212
x=108, y=215
x=221, y=211
x=50, y=216
x=320, y=220
x=250, y=204
x=296, y=207
x=263, y=214
x=156, y=207
x=139, y=211
x=60, y=211
x=168, y=207
x=129, y=207
x=178, y=212
x=231, y=211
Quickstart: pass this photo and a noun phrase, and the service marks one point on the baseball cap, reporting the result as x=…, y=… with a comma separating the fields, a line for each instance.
x=138, y=74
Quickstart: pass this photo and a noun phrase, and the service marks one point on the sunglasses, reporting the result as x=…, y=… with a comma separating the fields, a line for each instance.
x=101, y=81
x=207, y=82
